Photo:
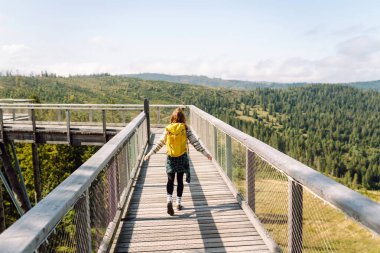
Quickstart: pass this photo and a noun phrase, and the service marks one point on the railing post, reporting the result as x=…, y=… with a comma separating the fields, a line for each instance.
x=68, y=126
x=36, y=161
x=127, y=161
x=59, y=118
x=14, y=114
x=158, y=115
x=215, y=142
x=104, y=120
x=228, y=152
x=90, y=116
x=250, y=177
x=33, y=116
x=295, y=207
x=147, y=115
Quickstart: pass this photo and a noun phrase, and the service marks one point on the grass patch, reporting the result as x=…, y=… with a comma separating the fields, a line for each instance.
x=325, y=229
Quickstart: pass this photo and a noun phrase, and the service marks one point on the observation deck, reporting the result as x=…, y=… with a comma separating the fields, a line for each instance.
x=249, y=198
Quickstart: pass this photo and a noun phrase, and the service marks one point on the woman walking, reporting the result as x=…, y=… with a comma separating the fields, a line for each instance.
x=175, y=137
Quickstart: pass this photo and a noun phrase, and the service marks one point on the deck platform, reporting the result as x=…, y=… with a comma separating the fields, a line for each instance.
x=211, y=220
x=81, y=133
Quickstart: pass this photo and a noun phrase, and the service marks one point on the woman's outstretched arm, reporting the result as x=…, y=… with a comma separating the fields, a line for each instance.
x=197, y=145
x=157, y=146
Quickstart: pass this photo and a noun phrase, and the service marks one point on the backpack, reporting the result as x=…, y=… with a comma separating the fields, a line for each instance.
x=176, y=139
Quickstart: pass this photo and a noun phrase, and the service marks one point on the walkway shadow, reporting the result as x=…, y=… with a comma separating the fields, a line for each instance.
x=205, y=226
x=128, y=227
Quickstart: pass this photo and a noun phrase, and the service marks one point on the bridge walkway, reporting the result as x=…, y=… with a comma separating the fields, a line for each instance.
x=211, y=220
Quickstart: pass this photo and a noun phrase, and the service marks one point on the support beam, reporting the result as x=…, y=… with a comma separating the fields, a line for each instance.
x=104, y=121
x=2, y=212
x=12, y=178
x=250, y=177
x=33, y=116
x=36, y=173
x=228, y=152
x=11, y=194
x=19, y=172
x=147, y=115
x=295, y=207
x=68, y=126
x=36, y=161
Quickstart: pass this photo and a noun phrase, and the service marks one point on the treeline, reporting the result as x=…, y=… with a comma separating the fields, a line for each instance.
x=333, y=129
x=57, y=162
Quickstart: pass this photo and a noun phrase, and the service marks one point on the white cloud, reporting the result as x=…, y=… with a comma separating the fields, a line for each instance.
x=12, y=55
x=14, y=48
x=356, y=30
x=354, y=59
x=359, y=47
x=104, y=43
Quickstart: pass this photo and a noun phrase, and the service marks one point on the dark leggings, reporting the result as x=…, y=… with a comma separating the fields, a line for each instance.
x=170, y=184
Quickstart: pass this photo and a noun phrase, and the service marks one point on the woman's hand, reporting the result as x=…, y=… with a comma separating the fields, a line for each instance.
x=209, y=157
x=146, y=158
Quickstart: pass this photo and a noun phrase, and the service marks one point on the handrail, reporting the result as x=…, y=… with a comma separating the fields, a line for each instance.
x=355, y=205
x=32, y=229
x=82, y=106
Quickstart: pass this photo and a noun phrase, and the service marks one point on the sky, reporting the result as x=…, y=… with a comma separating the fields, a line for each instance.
x=275, y=41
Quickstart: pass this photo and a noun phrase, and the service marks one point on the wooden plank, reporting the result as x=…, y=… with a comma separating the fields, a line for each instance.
x=193, y=244
x=181, y=235
x=252, y=240
x=189, y=230
x=211, y=218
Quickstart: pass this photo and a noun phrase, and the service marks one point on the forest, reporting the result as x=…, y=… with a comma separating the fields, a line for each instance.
x=331, y=128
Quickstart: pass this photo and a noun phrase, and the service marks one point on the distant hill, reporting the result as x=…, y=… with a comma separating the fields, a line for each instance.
x=214, y=82
x=371, y=85
x=238, y=84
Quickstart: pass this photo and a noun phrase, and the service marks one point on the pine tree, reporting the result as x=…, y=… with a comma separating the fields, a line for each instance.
x=355, y=180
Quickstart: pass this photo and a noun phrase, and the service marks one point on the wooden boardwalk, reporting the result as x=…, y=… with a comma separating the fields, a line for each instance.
x=81, y=133
x=211, y=220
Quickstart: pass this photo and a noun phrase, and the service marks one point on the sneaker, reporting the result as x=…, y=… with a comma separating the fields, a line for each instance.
x=179, y=207
x=170, y=209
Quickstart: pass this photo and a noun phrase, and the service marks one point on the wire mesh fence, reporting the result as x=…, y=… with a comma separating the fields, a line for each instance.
x=84, y=226
x=160, y=115
x=239, y=172
x=70, y=234
x=296, y=219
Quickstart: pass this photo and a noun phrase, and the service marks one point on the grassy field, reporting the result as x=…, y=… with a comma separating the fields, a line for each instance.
x=325, y=229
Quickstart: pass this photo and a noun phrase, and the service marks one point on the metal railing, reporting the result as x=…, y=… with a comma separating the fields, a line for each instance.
x=299, y=208
x=81, y=213
x=70, y=114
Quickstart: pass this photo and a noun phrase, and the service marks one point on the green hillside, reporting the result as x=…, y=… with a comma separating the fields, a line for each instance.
x=213, y=82
x=100, y=89
x=334, y=129
x=238, y=84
